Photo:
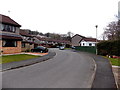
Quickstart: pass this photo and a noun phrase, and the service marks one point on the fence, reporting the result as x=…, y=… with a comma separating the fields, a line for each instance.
x=89, y=49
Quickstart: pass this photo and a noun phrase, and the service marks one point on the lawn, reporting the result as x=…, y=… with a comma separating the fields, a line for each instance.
x=14, y=58
x=115, y=61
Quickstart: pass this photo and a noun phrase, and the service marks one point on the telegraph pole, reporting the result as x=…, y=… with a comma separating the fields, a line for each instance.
x=96, y=38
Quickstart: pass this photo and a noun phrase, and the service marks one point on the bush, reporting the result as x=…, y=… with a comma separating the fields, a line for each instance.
x=68, y=46
x=28, y=50
x=109, y=48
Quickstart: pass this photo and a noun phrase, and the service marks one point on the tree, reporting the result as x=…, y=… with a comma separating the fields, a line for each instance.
x=118, y=30
x=112, y=32
x=47, y=34
x=69, y=35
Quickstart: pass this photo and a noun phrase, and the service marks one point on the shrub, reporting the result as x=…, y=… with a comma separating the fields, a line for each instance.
x=109, y=48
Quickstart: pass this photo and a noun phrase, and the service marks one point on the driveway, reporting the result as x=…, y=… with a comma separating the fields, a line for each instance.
x=66, y=70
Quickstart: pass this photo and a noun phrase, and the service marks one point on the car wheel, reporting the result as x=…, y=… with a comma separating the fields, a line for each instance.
x=41, y=51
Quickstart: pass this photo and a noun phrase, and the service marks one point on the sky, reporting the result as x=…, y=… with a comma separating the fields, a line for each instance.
x=61, y=16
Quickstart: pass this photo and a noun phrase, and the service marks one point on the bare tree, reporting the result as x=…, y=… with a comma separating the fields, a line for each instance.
x=69, y=35
x=112, y=31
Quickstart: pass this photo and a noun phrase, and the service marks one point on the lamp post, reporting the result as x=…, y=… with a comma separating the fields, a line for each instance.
x=96, y=38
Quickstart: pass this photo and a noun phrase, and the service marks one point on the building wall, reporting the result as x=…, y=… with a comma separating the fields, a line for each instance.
x=17, y=30
x=0, y=46
x=75, y=40
x=84, y=43
x=27, y=47
x=12, y=50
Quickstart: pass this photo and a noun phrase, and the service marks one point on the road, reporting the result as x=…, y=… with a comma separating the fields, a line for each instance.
x=66, y=70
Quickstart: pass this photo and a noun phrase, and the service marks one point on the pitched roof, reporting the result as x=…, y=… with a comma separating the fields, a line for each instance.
x=53, y=40
x=24, y=33
x=90, y=39
x=78, y=35
x=8, y=20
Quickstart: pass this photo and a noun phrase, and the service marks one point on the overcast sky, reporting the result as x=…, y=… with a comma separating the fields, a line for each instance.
x=61, y=16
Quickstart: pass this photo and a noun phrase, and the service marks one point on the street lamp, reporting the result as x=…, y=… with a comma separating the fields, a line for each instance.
x=96, y=38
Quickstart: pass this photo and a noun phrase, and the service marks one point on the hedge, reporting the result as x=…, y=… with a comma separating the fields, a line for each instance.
x=109, y=48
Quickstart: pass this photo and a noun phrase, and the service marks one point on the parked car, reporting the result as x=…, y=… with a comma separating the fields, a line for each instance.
x=61, y=47
x=72, y=47
x=57, y=46
x=40, y=49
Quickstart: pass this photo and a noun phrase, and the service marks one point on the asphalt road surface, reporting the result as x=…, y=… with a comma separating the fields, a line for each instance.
x=66, y=70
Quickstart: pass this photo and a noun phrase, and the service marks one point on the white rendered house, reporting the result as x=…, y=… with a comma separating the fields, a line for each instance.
x=88, y=42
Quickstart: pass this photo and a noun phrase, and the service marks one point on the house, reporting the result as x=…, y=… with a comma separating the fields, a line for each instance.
x=88, y=42
x=78, y=40
x=31, y=40
x=28, y=40
x=49, y=42
x=75, y=41
x=10, y=41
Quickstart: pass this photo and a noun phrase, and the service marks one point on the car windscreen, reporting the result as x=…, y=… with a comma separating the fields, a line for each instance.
x=40, y=47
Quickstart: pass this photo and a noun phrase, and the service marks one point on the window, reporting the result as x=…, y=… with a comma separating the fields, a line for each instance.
x=9, y=43
x=1, y=26
x=13, y=28
x=30, y=43
x=29, y=38
x=23, y=45
x=83, y=44
x=8, y=28
x=90, y=44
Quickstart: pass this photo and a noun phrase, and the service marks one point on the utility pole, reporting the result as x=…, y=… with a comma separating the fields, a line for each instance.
x=96, y=38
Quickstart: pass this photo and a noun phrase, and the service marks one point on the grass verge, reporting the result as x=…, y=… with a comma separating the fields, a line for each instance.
x=14, y=58
x=67, y=48
x=114, y=61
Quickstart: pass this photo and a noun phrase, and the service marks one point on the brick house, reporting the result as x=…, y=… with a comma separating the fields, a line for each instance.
x=49, y=42
x=28, y=40
x=10, y=40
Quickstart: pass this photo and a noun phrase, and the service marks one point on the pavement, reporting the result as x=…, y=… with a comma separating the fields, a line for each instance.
x=14, y=65
x=104, y=77
x=116, y=72
x=66, y=70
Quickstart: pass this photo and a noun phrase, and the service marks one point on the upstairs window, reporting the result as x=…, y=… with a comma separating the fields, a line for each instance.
x=8, y=28
x=1, y=26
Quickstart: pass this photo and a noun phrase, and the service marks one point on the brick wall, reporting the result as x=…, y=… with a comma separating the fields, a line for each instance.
x=11, y=50
x=27, y=47
x=0, y=46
